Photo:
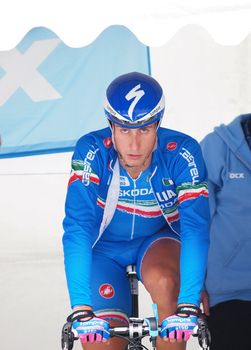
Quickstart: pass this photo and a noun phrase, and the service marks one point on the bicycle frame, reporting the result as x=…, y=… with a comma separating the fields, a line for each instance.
x=135, y=343
x=137, y=329
x=134, y=286
x=203, y=333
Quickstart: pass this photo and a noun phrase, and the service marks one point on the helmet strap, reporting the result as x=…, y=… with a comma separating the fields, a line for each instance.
x=112, y=130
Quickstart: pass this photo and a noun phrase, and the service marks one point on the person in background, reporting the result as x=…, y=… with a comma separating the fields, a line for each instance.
x=227, y=300
x=137, y=195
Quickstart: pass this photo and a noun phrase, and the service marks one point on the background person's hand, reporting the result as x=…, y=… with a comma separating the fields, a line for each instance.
x=204, y=299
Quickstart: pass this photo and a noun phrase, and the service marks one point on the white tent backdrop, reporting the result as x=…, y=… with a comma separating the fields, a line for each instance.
x=79, y=22
x=205, y=84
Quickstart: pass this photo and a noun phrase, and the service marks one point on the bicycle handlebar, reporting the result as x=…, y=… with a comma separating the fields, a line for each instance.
x=125, y=332
x=137, y=329
x=130, y=332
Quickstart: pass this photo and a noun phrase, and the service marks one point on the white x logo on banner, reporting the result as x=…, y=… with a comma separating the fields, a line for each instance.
x=21, y=72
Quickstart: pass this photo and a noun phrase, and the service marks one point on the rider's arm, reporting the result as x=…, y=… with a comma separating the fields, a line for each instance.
x=191, y=181
x=81, y=220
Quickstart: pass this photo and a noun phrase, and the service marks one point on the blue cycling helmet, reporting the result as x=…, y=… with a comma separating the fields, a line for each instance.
x=134, y=100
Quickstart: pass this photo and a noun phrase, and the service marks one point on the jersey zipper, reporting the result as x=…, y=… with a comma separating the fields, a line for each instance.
x=133, y=217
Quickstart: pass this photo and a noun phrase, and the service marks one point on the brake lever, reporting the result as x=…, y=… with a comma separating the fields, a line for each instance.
x=67, y=337
x=203, y=333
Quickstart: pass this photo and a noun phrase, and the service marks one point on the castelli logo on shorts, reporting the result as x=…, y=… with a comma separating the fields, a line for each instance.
x=106, y=291
x=107, y=142
x=171, y=146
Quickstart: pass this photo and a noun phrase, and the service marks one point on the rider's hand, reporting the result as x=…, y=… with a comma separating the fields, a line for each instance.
x=89, y=327
x=94, y=330
x=181, y=325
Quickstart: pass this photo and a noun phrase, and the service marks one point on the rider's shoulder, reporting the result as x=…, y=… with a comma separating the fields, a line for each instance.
x=173, y=141
x=96, y=139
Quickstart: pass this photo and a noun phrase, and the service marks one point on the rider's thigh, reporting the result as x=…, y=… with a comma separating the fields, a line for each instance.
x=160, y=273
x=111, y=298
x=110, y=288
x=162, y=258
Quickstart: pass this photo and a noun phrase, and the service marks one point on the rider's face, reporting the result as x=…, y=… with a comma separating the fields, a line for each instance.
x=135, y=146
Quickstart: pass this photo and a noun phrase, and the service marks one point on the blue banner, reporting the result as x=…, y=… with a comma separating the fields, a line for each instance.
x=51, y=94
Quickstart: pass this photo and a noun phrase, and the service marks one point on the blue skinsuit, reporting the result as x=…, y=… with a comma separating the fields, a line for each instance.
x=170, y=195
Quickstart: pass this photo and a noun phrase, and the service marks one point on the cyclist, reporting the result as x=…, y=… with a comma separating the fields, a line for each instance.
x=137, y=195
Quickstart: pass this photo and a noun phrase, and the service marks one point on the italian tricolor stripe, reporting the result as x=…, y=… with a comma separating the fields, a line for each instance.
x=173, y=216
x=100, y=202
x=149, y=211
x=94, y=178
x=75, y=175
x=77, y=171
x=114, y=316
x=77, y=165
x=187, y=192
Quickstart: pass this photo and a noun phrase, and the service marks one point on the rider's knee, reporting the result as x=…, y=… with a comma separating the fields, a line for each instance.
x=164, y=292
x=162, y=281
x=169, y=284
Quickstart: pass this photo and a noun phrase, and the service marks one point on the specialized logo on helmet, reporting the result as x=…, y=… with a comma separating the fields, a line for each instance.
x=106, y=290
x=137, y=95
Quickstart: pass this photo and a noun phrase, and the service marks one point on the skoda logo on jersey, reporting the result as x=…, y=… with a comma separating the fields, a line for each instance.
x=106, y=290
x=135, y=192
x=136, y=95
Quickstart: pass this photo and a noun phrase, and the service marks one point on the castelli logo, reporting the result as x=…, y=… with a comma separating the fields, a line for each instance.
x=107, y=142
x=106, y=291
x=171, y=146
